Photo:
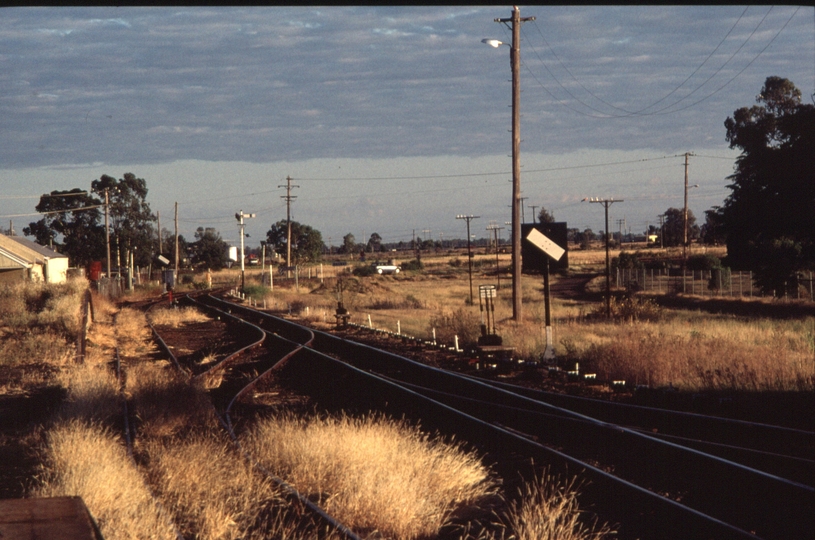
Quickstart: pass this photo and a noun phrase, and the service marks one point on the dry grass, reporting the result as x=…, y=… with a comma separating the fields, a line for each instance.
x=215, y=494
x=373, y=474
x=548, y=510
x=176, y=317
x=39, y=324
x=165, y=403
x=86, y=460
x=650, y=345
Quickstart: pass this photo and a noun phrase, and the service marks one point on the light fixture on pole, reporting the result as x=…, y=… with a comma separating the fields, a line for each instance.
x=239, y=216
x=685, y=213
x=515, y=63
x=606, y=203
x=469, y=218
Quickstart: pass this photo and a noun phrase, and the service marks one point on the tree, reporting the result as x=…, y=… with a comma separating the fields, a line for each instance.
x=375, y=242
x=130, y=218
x=209, y=249
x=673, y=228
x=72, y=223
x=768, y=217
x=545, y=216
x=306, y=242
x=349, y=244
x=586, y=238
x=712, y=232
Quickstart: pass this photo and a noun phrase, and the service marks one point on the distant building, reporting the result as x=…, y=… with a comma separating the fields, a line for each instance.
x=22, y=259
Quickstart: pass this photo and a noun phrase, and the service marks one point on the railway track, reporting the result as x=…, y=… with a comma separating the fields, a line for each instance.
x=653, y=473
x=247, y=364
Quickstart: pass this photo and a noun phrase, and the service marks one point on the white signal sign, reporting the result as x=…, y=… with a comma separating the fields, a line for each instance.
x=486, y=291
x=545, y=244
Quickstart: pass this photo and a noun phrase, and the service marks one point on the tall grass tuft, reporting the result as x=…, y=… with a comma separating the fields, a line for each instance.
x=176, y=317
x=548, y=510
x=373, y=474
x=86, y=460
x=214, y=493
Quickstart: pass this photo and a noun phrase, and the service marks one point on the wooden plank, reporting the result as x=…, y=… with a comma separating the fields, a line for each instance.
x=55, y=518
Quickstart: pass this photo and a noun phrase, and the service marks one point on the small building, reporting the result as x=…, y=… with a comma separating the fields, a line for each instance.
x=22, y=259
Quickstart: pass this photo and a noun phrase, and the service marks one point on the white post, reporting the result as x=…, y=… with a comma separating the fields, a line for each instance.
x=398, y=328
x=434, y=336
x=321, y=272
x=370, y=325
x=455, y=339
x=271, y=277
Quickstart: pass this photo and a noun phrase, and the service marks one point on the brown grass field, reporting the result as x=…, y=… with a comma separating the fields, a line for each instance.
x=69, y=446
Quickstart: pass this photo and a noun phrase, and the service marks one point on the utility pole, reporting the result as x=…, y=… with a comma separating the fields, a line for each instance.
x=685, y=214
x=620, y=223
x=176, y=243
x=515, y=63
x=534, y=215
x=107, y=231
x=158, y=217
x=661, y=225
x=606, y=203
x=289, y=198
x=469, y=218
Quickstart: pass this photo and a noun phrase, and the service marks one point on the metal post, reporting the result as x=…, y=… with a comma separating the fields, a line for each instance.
x=107, y=231
x=469, y=218
x=239, y=216
x=606, y=203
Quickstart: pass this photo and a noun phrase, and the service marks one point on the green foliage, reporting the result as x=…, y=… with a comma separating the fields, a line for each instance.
x=130, y=218
x=673, y=228
x=415, y=264
x=545, y=216
x=255, y=291
x=364, y=270
x=463, y=323
x=703, y=262
x=307, y=243
x=768, y=217
x=627, y=259
x=79, y=234
x=209, y=250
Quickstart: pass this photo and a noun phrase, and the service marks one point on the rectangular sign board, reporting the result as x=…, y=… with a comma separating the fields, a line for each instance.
x=545, y=244
x=486, y=291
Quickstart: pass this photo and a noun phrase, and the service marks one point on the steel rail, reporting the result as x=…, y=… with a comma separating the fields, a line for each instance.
x=786, y=467
x=226, y=422
x=657, y=517
x=766, y=437
x=766, y=503
x=362, y=359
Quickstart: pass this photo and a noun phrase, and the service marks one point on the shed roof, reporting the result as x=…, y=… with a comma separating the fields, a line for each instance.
x=27, y=250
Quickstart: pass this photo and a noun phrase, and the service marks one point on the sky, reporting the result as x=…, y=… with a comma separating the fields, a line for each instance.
x=391, y=120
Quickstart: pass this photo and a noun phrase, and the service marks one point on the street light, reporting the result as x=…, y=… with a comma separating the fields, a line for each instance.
x=469, y=218
x=606, y=203
x=515, y=64
x=239, y=216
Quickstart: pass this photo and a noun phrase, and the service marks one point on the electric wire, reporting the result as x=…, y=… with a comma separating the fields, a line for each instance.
x=566, y=68
x=663, y=110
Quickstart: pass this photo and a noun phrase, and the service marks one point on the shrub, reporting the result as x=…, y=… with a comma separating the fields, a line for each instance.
x=364, y=270
x=462, y=323
x=415, y=264
x=703, y=262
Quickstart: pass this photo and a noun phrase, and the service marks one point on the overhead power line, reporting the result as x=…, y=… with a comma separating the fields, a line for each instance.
x=667, y=109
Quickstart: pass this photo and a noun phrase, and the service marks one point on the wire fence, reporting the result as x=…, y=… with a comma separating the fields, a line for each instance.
x=717, y=282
